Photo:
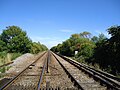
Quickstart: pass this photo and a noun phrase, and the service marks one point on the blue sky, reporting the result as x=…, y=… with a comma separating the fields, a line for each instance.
x=53, y=21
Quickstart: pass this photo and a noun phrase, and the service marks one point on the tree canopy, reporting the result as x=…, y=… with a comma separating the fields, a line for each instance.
x=77, y=42
x=14, y=39
x=37, y=47
x=94, y=50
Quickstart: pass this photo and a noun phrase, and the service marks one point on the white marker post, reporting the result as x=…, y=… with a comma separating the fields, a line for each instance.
x=76, y=52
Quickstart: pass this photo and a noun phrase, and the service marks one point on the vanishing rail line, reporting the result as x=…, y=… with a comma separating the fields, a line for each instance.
x=55, y=77
x=43, y=71
x=110, y=81
x=56, y=72
x=80, y=80
x=12, y=84
x=69, y=74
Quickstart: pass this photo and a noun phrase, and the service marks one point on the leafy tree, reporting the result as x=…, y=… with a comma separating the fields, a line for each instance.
x=44, y=48
x=114, y=31
x=82, y=44
x=107, y=51
x=66, y=50
x=37, y=47
x=97, y=50
x=54, y=49
x=15, y=40
x=85, y=34
x=114, y=48
x=95, y=39
x=75, y=36
x=2, y=46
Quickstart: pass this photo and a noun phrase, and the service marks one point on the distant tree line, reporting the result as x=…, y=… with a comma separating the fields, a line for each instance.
x=13, y=39
x=94, y=50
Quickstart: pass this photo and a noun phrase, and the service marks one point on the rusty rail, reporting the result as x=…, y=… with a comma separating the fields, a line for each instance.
x=99, y=75
x=41, y=76
x=70, y=75
x=43, y=70
x=14, y=78
x=6, y=64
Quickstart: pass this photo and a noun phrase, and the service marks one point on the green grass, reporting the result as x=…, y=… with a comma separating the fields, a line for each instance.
x=4, y=69
x=6, y=58
x=15, y=55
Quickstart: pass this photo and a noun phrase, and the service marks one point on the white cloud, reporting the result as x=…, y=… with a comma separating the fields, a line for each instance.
x=48, y=41
x=66, y=30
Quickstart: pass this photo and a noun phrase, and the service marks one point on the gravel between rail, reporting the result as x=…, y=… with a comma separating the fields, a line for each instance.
x=28, y=80
x=57, y=74
x=19, y=64
x=83, y=79
x=56, y=77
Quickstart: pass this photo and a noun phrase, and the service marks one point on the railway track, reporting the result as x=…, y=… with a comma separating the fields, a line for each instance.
x=105, y=79
x=56, y=72
x=56, y=78
x=28, y=78
x=81, y=80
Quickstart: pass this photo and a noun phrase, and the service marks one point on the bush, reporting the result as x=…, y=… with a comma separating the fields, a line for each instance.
x=15, y=55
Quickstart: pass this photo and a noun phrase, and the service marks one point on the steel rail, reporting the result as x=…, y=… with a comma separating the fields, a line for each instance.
x=43, y=70
x=6, y=64
x=104, y=73
x=15, y=77
x=69, y=74
x=41, y=76
x=107, y=80
x=99, y=71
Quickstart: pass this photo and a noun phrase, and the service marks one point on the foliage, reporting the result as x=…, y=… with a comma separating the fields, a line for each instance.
x=14, y=40
x=85, y=34
x=77, y=42
x=107, y=51
x=3, y=54
x=6, y=58
x=100, y=51
x=4, y=69
x=15, y=55
x=37, y=47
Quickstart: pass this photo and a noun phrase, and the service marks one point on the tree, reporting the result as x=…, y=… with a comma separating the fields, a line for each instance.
x=75, y=36
x=54, y=49
x=82, y=44
x=114, y=31
x=65, y=49
x=95, y=39
x=114, y=48
x=86, y=48
x=2, y=46
x=37, y=47
x=15, y=40
x=85, y=34
x=107, y=51
x=97, y=50
x=44, y=48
